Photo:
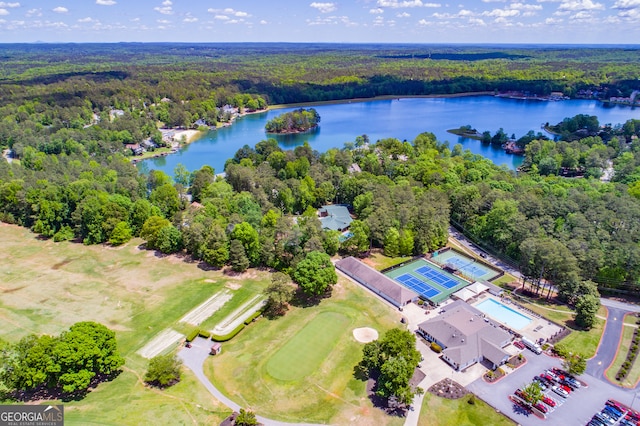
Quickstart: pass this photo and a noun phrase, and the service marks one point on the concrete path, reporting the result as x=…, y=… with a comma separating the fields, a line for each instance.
x=194, y=357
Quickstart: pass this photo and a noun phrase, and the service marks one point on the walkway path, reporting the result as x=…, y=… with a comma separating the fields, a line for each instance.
x=194, y=357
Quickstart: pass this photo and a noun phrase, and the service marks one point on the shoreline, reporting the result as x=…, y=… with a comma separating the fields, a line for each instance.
x=377, y=98
x=179, y=139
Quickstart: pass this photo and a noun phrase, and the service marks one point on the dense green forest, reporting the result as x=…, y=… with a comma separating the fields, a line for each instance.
x=299, y=120
x=71, y=179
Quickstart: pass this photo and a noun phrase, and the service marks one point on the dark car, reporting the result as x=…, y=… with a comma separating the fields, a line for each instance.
x=540, y=406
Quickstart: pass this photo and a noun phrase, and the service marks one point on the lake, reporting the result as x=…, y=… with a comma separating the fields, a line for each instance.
x=403, y=119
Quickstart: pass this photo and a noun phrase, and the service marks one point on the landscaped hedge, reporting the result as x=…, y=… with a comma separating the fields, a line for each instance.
x=436, y=347
x=631, y=357
x=229, y=336
x=192, y=334
x=204, y=333
x=252, y=317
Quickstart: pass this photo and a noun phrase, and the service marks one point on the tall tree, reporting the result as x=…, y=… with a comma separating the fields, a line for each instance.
x=315, y=273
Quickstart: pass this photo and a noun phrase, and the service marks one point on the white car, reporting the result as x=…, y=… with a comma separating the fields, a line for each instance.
x=563, y=393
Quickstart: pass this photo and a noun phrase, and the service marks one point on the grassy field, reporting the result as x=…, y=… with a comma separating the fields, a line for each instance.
x=46, y=287
x=252, y=368
x=579, y=341
x=379, y=261
x=304, y=353
x=438, y=411
x=621, y=356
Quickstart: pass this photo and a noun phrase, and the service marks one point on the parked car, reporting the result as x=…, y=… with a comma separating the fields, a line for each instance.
x=595, y=422
x=519, y=393
x=541, y=382
x=540, y=406
x=548, y=378
x=551, y=374
x=549, y=401
x=563, y=393
x=605, y=418
x=612, y=412
x=518, y=344
x=565, y=387
x=614, y=403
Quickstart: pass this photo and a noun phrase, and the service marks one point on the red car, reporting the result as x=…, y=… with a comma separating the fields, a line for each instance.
x=550, y=402
x=518, y=344
x=541, y=407
x=565, y=387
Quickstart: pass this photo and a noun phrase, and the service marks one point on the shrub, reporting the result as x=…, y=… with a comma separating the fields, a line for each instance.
x=252, y=317
x=436, y=347
x=490, y=374
x=420, y=302
x=500, y=371
x=204, y=333
x=545, y=346
x=192, y=334
x=229, y=336
x=472, y=399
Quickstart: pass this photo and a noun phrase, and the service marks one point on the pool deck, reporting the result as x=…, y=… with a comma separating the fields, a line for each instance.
x=538, y=328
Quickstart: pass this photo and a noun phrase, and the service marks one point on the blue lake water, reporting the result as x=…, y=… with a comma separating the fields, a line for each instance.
x=403, y=118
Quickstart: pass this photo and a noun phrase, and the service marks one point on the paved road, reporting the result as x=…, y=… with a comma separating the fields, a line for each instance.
x=194, y=357
x=606, y=352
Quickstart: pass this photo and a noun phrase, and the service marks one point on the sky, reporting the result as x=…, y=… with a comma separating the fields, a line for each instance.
x=340, y=21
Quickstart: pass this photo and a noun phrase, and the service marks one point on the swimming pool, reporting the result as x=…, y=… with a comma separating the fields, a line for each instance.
x=503, y=314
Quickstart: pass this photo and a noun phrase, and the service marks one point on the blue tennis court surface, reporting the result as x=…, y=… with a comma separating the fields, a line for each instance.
x=437, y=277
x=420, y=287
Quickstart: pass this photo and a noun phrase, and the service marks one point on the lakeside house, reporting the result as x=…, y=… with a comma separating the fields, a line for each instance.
x=466, y=337
x=335, y=217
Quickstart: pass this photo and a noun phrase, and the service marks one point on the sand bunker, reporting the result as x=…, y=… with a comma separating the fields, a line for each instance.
x=365, y=334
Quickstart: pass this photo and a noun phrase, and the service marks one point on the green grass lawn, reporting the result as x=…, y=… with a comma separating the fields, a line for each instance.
x=379, y=261
x=625, y=342
x=326, y=391
x=584, y=342
x=304, y=353
x=438, y=411
x=46, y=287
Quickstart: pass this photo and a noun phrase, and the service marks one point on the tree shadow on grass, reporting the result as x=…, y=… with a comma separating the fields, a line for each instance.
x=302, y=300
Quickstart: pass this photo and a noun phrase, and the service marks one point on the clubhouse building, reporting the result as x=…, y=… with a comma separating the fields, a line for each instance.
x=466, y=336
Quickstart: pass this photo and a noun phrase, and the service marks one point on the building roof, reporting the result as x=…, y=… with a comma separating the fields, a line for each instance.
x=335, y=217
x=466, y=335
x=493, y=289
x=376, y=281
x=464, y=294
x=477, y=287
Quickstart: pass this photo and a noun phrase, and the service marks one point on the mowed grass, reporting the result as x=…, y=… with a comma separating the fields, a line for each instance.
x=438, y=411
x=326, y=392
x=621, y=356
x=584, y=342
x=47, y=286
x=302, y=355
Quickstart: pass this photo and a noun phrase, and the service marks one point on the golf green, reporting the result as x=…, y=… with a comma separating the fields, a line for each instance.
x=303, y=354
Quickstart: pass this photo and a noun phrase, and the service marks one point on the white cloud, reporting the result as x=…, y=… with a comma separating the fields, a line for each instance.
x=403, y=15
x=9, y=5
x=324, y=7
x=501, y=13
x=581, y=16
x=620, y=4
x=228, y=12
x=579, y=5
x=522, y=6
x=190, y=19
x=60, y=9
x=394, y=4
x=165, y=9
x=106, y=2
x=477, y=21
x=221, y=17
x=424, y=22
x=4, y=12
x=87, y=19
x=263, y=22
x=163, y=21
x=376, y=11
x=33, y=12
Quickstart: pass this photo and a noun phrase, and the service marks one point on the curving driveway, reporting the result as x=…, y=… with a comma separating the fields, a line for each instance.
x=610, y=340
x=194, y=357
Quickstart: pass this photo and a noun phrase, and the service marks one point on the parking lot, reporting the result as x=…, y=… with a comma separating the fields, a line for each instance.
x=576, y=410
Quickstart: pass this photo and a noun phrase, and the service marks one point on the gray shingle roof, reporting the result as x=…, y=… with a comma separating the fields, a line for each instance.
x=466, y=335
x=376, y=281
x=335, y=217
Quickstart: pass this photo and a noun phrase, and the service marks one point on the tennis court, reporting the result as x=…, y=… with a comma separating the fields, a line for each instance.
x=427, y=279
x=419, y=286
x=466, y=265
x=437, y=277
